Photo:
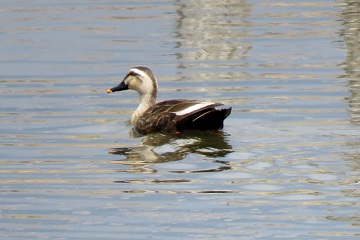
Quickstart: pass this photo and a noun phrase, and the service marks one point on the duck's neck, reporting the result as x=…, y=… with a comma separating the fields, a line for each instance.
x=146, y=100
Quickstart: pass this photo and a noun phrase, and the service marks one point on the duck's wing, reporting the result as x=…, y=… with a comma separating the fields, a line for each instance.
x=172, y=114
x=185, y=108
x=200, y=115
x=157, y=118
x=208, y=119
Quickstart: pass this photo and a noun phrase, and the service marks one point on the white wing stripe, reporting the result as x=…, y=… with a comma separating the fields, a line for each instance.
x=193, y=108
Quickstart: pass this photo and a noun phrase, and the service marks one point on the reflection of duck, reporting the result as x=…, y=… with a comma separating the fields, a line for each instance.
x=157, y=148
x=351, y=37
x=170, y=116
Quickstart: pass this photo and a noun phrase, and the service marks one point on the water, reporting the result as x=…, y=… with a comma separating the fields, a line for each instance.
x=285, y=165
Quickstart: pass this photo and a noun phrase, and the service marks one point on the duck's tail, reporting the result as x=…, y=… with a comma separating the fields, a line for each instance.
x=208, y=119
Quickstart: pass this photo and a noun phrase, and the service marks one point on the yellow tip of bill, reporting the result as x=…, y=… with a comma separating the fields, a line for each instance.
x=108, y=91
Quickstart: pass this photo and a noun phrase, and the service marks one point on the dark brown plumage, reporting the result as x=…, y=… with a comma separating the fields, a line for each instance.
x=170, y=116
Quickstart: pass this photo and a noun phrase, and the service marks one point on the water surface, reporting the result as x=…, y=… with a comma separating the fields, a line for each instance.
x=286, y=165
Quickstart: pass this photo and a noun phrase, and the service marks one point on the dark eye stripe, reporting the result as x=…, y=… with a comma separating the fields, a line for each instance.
x=131, y=74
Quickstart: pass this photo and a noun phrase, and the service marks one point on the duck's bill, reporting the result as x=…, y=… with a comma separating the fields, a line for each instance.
x=121, y=87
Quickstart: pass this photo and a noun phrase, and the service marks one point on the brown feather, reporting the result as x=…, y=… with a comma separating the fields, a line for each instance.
x=172, y=115
x=162, y=117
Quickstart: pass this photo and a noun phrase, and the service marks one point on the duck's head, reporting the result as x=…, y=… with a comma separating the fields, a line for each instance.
x=140, y=79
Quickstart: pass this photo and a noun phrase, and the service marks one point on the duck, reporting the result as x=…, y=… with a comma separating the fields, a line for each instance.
x=171, y=116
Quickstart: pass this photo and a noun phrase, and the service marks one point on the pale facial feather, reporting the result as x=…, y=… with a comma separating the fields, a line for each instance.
x=145, y=84
x=139, y=72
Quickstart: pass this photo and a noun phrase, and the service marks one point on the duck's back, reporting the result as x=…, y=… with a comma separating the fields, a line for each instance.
x=181, y=114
